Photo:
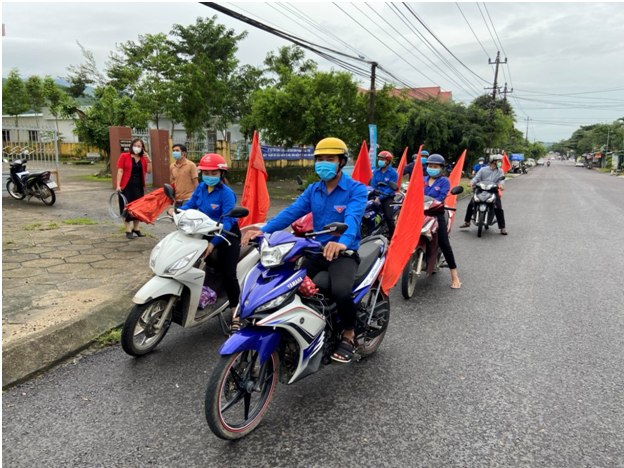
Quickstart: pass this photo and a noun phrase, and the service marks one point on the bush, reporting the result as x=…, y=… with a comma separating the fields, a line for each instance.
x=235, y=176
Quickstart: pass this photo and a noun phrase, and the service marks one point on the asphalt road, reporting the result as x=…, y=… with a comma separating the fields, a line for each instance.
x=524, y=366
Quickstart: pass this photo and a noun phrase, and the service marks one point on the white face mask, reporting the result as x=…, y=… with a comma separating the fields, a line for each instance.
x=136, y=149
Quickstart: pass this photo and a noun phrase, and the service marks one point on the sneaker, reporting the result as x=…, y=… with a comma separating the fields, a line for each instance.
x=503, y=232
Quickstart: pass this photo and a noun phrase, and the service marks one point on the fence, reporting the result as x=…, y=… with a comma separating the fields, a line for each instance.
x=37, y=144
x=147, y=143
x=196, y=147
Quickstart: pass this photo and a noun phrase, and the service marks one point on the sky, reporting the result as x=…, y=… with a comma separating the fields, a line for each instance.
x=553, y=49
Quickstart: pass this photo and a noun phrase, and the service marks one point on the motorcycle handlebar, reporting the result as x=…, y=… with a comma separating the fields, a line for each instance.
x=228, y=233
x=448, y=208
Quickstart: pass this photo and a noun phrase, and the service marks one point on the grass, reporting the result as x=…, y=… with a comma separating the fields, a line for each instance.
x=79, y=221
x=31, y=227
x=40, y=226
x=92, y=178
x=122, y=230
x=109, y=338
x=9, y=241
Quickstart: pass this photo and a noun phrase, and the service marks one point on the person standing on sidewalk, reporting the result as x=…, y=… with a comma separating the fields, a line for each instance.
x=131, y=170
x=183, y=175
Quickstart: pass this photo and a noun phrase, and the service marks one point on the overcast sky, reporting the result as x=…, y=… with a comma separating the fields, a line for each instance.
x=560, y=48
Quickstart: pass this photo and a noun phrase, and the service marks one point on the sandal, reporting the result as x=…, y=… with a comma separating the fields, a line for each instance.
x=465, y=225
x=345, y=351
x=456, y=287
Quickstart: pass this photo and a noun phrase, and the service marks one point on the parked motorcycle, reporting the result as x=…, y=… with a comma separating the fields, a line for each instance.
x=289, y=335
x=427, y=257
x=173, y=294
x=484, y=197
x=22, y=183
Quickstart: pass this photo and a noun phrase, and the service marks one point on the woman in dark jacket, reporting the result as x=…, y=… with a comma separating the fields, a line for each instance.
x=131, y=170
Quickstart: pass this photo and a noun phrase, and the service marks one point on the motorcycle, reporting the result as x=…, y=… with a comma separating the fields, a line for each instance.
x=547, y=163
x=173, y=293
x=483, y=213
x=427, y=257
x=290, y=334
x=22, y=184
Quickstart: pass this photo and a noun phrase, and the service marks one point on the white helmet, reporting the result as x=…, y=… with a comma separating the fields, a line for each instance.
x=496, y=157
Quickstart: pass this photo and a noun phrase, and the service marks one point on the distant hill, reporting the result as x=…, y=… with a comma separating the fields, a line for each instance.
x=89, y=91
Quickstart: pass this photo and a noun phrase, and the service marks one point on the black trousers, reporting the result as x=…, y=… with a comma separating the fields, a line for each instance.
x=227, y=260
x=498, y=211
x=444, y=242
x=342, y=276
x=388, y=213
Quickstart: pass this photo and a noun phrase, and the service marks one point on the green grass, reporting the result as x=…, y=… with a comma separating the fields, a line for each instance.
x=9, y=241
x=49, y=227
x=40, y=226
x=79, y=221
x=109, y=338
x=31, y=227
x=92, y=178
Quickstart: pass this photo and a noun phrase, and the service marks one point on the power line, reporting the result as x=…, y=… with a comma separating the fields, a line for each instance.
x=486, y=25
x=473, y=33
x=494, y=28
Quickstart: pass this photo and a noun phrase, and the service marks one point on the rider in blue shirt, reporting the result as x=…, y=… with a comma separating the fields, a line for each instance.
x=336, y=198
x=437, y=186
x=385, y=173
x=410, y=167
x=479, y=166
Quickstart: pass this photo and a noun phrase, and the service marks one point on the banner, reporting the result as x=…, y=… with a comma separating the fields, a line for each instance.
x=372, y=152
x=274, y=153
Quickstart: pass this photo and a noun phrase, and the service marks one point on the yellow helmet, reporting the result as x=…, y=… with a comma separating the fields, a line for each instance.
x=332, y=146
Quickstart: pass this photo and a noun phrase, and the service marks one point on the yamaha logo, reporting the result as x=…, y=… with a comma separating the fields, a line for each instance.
x=292, y=284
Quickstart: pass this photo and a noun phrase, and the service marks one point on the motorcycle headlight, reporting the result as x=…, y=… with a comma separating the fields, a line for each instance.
x=188, y=225
x=491, y=199
x=278, y=301
x=476, y=198
x=154, y=254
x=183, y=262
x=274, y=256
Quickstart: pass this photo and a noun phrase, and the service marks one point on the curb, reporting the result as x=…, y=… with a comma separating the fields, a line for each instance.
x=26, y=358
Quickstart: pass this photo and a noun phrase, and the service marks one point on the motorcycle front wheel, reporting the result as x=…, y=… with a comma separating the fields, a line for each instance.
x=409, y=277
x=46, y=194
x=239, y=392
x=480, y=223
x=12, y=189
x=138, y=335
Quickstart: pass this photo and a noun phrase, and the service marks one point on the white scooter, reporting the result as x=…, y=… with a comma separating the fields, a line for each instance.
x=173, y=294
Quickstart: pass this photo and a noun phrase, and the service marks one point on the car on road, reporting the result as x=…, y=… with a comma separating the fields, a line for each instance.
x=579, y=163
x=531, y=162
x=540, y=162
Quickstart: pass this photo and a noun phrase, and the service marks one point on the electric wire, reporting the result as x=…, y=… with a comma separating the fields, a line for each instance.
x=473, y=33
x=494, y=28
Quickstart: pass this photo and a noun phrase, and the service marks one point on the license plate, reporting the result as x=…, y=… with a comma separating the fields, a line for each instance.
x=51, y=184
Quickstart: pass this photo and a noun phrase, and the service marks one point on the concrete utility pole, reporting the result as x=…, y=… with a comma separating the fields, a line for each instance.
x=371, y=104
x=505, y=92
x=497, y=62
x=526, y=138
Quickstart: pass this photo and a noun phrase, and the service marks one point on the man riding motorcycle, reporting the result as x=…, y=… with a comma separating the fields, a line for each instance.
x=494, y=175
x=410, y=167
x=336, y=198
x=385, y=173
x=478, y=166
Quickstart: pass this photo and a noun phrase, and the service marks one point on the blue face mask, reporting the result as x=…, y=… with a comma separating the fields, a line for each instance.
x=326, y=170
x=212, y=181
x=177, y=155
x=433, y=172
x=423, y=160
x=381, y=163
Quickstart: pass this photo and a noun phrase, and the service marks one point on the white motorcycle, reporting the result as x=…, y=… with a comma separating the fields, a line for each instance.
x=173, y=294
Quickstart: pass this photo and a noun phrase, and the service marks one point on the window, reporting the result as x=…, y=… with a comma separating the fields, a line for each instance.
x=228, y=137
x=33, y=135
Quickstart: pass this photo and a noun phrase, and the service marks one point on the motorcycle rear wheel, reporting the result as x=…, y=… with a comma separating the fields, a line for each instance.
x=138, y=336
x=409, y=277
x=381, y=317
x=480, y=223
x=230, y=412
x=47, y=194
x=12, y=190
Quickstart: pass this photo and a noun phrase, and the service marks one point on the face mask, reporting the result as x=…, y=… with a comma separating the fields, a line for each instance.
x=423, y=160
x=499, y=164
x=481, y=163
x=177, y=155
x=137, y=149
x=381, y=163
x=433, y=172
x=212, y=181
x=326, y=170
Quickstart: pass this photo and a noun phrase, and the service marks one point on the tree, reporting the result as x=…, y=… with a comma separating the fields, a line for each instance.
x=35, y=95
x=57, y=100
x=86, y=73
x=14, y=98
x=288, y=62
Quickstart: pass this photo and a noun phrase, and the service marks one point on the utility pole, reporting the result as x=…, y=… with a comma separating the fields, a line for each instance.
x=497, y=62
x=505, y=92
x=526, y=138
x=371, y=104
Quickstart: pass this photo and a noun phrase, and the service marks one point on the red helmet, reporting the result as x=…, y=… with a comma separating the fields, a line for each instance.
x=212, y=162
x=387, y=155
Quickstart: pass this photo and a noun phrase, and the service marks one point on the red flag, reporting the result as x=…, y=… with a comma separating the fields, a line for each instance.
x=362, y=171
x=407, y=231
x=149, y=207
x=506, y=163
x=454, y=179
x=402, y=165
x=255, y=194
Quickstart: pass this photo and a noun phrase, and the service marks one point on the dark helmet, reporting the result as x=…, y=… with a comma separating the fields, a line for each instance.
x=435, y=159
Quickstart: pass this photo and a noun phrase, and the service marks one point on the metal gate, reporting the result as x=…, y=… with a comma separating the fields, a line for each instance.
x=39, y=145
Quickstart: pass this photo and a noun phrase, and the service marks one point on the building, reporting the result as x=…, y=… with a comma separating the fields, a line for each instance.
x=431, y=92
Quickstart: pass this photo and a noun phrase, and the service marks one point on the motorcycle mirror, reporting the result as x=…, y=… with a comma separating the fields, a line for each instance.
x=169, y=191
x=336, y=229
x=393, y=186
x=457, y=190
x=238, y=212
x=299, y=180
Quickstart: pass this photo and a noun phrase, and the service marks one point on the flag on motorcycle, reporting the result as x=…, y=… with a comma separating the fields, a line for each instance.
x=146, y=209
x=454, y=179
x=402, y=165
x=506, y=163
x=255, y=194
x=362, y=171
x=407, y=231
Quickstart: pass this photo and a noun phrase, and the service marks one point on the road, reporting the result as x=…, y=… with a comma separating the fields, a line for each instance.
x=524, y=366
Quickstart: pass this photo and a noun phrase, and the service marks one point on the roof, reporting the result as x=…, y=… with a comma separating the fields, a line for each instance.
x=433, y=92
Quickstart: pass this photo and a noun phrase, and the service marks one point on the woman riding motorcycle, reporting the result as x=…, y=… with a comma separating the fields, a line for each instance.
x=213, y=198
x=438, y=186
x=385, y=173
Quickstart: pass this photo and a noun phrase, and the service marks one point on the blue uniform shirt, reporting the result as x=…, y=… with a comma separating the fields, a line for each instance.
x=345, y=204
x=478, y=167
x=440, y=188
x=391, y=175
x=221, y=200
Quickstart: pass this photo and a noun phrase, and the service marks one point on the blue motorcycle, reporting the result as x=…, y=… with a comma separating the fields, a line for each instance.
x=374, y=221
x=289, y=334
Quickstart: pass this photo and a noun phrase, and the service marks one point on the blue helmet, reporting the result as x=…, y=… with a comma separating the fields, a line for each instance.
x=424, y=153
x=435, y=159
